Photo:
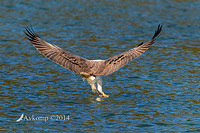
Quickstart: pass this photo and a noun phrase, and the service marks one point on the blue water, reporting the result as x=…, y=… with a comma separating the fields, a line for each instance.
x=157, y=92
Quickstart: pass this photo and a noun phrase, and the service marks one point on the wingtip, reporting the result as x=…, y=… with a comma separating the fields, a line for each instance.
x=140, y=44
x=30, y=33
x=157, y=32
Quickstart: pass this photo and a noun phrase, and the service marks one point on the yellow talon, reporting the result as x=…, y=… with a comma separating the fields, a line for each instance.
x=85, y=75
x=103, y=95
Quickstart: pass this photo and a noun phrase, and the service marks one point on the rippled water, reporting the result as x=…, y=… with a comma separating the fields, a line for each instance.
x=157, y=92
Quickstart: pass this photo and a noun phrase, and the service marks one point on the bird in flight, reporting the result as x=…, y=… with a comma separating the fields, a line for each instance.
x=91, y=70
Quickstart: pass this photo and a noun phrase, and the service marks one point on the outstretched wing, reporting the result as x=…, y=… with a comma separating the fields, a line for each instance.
x=78, y=64
x=114, y=63
x=66, y=59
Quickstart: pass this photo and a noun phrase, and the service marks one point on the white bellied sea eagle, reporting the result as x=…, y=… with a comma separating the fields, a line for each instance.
x=91, y=70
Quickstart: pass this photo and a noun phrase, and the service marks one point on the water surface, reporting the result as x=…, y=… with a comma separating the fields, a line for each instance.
x=157, y=92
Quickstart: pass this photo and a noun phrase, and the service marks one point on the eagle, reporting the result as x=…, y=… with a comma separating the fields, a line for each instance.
x=91, y=70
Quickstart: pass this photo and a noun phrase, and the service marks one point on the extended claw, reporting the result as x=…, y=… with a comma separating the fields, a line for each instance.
x=103, y=95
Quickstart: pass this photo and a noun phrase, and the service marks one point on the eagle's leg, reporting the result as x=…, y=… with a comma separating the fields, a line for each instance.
x=93, y=86
x=95, y=83
x=91, y=80
x=99, y=87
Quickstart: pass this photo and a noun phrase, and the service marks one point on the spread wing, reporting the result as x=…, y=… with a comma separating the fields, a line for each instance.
x=66, y=59
x=78, y=64
x=114, y=63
